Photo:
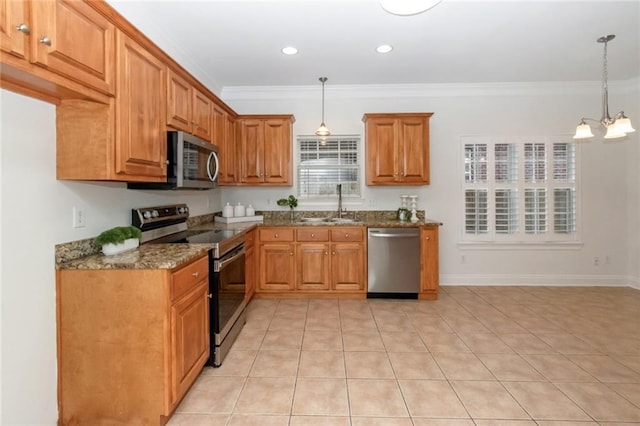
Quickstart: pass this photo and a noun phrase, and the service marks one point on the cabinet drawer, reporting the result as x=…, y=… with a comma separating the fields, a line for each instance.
x=186, y=278
x=312, y=234
x=347, y=234
x=276, y=234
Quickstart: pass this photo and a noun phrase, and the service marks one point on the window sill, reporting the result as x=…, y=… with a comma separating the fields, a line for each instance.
x=520, y=245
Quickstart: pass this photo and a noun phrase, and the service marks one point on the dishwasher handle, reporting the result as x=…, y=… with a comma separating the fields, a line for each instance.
x=378, y=234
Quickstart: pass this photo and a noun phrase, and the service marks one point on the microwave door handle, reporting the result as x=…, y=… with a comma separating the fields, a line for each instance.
x=213, y=156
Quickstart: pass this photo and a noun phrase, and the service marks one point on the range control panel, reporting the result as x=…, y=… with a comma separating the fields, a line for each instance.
x=154, y=217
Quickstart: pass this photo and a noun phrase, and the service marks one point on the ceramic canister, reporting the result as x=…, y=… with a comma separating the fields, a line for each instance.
x=238, y=210
x=227, y=211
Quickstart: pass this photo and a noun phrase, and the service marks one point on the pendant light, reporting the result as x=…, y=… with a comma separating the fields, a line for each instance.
x=619, y=125
x=408, y=7
x=323, y=130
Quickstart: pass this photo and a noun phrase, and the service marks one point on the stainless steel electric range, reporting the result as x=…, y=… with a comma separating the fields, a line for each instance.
x=168, y=225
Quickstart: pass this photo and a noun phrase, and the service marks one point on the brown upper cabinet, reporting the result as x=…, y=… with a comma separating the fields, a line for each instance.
x=188, y=109
x=224, y=136
x=265, y=145
x=68, y=38
x=125, y=139
x=397, y=148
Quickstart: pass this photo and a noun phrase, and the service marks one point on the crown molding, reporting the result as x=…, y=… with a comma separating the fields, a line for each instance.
x=385, y=91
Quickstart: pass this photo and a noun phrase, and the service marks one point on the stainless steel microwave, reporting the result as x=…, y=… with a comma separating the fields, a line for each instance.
x=192, y=163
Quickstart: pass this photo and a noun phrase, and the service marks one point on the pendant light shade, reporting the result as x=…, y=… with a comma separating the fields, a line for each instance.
x=619, y=125
x=323, y=130
x=407, y=7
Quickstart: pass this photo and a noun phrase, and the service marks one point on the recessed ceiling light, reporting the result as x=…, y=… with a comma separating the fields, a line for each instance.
x=408, y=7
x=384, y=48
x=289, y=50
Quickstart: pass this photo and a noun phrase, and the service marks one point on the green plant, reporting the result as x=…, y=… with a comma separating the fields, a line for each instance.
x=118, y=235
x=291, y=202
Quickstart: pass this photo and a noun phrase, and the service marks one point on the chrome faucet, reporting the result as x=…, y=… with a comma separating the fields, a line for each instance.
x=339, y=188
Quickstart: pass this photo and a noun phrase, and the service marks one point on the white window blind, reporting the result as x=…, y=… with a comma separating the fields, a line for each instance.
x=519, y=190
x=323, y=163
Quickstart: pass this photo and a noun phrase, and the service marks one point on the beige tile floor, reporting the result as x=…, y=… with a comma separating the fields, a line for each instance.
x=477, y=356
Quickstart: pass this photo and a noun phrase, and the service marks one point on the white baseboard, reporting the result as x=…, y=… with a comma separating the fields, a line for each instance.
x=540, y=280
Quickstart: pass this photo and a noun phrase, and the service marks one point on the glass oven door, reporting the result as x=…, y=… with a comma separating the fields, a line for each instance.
x=227, y=291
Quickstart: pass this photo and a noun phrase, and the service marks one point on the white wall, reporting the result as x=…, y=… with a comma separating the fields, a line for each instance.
x=35, y=216
x=609, y=188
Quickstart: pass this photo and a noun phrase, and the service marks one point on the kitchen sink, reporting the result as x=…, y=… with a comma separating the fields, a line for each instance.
x=328, y=219
x=342, y=220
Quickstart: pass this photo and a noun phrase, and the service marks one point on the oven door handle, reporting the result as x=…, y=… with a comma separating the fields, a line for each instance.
x=221, y=264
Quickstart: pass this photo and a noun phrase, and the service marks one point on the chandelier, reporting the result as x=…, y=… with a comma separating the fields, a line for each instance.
x=619, y=125
x=323, y=130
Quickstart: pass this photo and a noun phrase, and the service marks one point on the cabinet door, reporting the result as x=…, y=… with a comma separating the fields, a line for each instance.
x=429, y=272
x=347, y=267
x=277, y=152
x=250, y=264
x=201, y=115
x=178, y=102
x=73, y=39
x=414, y=150
x=228, y=152
x=140, y=112
x=190, y=338
x=277, y=267
x=14, y=14
x=312, y=266
x=381, y=150
x=251, y=147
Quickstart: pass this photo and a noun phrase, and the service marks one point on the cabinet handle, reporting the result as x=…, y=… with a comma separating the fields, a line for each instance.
x=313, y=235
x=195, y=274
x=275, y=236
x=428, y=238
x=333, y=253
x=23, y=28
x=45, y=40
x=290, y=253
x=346, y=235
x=325, y=253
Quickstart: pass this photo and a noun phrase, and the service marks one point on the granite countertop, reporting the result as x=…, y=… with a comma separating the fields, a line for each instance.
x=169, y=256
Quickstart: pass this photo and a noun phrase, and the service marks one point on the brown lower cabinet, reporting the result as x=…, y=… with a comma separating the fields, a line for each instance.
x=429, y=272
x=312, y=260
x=130, y=342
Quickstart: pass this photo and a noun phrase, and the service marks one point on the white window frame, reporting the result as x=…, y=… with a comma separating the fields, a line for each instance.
x=520, y=237
x=347, y=193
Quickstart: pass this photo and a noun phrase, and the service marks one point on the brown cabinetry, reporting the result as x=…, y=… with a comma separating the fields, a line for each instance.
x=224, y=135
x=188, y=109
x=265, y=146
x=276, y=261
x=124, y=139
x=68, y=38
x=251, y=264
x=397, y=148
x=429, y=272
x=326, y=260
x=141, y=335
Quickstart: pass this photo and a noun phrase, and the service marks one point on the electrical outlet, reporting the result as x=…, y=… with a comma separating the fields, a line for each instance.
x=372, y=201
x=607, y=260
x=79, y=217
x=596, y=261
x=463, y=259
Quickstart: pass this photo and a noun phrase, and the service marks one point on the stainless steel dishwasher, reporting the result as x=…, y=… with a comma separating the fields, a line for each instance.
x=393, y=263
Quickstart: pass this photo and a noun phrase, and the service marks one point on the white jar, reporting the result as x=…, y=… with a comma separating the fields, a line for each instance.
x=238, y=210
x=227, y=211
x=250, y=210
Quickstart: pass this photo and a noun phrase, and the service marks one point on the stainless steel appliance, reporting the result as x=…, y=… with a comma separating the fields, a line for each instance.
x=192, y=163
x=168, y=224
x=393, y=262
